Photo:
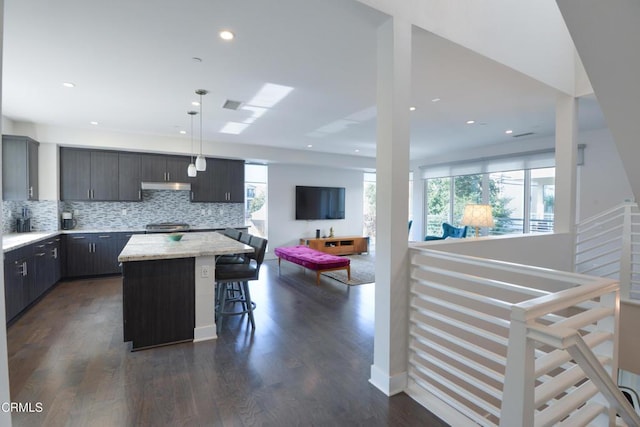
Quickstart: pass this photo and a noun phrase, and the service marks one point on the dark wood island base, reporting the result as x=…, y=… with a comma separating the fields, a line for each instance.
x=158, y=302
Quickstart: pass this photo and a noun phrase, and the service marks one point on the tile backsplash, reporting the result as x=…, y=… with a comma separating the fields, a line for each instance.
x=157, y=206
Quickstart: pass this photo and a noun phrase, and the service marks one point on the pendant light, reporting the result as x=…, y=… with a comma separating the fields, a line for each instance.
x=191, y=170
x=201, y=163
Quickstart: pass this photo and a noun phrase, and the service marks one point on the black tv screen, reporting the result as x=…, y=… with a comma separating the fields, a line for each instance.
x=319, y=202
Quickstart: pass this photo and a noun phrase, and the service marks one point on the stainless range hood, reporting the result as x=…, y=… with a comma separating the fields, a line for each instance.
x=185, y=186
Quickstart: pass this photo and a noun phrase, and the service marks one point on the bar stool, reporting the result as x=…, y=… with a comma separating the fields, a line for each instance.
x=232, y=284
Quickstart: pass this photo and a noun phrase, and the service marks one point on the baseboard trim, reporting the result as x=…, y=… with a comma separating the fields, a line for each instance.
x=204, y=333
x=438, y=407
x=389, y=385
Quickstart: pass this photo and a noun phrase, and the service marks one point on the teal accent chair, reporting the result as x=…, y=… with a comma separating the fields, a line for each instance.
x=449, y=230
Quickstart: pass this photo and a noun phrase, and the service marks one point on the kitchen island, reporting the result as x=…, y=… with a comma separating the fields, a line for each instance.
x=168, y=287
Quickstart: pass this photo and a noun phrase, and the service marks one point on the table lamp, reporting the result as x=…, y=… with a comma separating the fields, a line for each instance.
x=477, y=216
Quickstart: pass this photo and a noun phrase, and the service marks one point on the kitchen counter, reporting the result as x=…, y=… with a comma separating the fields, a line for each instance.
x=11, y=241
x=168, y=287
x=146, y=247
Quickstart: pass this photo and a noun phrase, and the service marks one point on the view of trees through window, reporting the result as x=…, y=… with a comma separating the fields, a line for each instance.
x=506, y=192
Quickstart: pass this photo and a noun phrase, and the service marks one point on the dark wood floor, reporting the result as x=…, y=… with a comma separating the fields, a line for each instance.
x=306, y=364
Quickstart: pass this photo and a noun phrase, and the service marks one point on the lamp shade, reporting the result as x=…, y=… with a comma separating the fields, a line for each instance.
x=477, y=216
x=191, y=170
x=201, y=163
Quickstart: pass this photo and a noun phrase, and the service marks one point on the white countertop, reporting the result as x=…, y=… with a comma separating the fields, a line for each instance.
x=13, y=241
x=147, y=247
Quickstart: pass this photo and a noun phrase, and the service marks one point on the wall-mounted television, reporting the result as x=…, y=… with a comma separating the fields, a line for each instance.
x=319, y=202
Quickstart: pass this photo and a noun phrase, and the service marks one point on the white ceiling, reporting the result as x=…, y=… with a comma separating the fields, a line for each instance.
x=134, y=72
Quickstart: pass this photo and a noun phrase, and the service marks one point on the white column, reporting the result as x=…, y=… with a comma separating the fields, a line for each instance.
x=205, y=327
x=5, y=417
x=389, y=369
x=566, y=158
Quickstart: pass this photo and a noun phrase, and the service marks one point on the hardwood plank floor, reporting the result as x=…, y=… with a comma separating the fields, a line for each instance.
x=306, y=364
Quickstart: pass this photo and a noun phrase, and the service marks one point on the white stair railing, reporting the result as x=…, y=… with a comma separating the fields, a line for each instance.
x=472, y=364
x=608, y=245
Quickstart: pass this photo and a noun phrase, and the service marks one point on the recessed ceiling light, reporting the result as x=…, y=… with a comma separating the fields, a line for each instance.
x=412, y=108
x=508, y=132
x=68, y=84
x=183, y=132
x=195, y=103
x=226, y=35
x=435, y=100
x=309, y=145
x=470, y=122
x=94, y=123
x=356, y=150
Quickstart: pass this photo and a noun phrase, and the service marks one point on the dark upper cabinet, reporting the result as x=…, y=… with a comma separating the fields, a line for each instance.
x=104, y=175
x=19, y=168
x=159, y=168
x=88, y=174
x=129, y=177
x=222, y=182
x=75, y=174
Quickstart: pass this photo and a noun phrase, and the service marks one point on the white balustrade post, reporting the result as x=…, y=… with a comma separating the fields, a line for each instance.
x=609, y=348
x=518, y=393
x=625, y=256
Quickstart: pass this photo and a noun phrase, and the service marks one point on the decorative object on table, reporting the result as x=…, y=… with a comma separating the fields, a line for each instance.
x=477, y=216
x=331, y=232
x=175, y=237
x=449, y=230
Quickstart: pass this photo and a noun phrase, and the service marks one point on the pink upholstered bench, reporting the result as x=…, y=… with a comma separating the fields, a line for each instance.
x=313, y=260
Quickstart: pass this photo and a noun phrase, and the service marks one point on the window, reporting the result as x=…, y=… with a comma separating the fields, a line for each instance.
x=507, y=192
x=255, y=185
x=438, y=203
x=369, y=208
x=543, y=193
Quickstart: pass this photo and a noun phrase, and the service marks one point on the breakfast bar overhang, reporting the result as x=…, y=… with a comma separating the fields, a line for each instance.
x=168, y=287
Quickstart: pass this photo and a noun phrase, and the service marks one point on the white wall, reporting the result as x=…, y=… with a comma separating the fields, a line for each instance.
x=602, y=181
x=284, y=229
x=553, y=251
x=528, y=36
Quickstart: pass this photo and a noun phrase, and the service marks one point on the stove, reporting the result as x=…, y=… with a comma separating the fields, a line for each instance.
x=166, y=227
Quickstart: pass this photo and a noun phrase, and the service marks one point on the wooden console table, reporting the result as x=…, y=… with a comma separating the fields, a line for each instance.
x=344, y=245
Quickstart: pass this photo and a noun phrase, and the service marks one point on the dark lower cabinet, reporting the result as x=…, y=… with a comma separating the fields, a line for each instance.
x=92, y=254
x=158, y=301
x=29, y=272
x=18, y=264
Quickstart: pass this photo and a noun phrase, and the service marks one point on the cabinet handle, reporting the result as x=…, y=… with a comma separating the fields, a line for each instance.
x=104, y=237
x=54, y=253
x=39, y=246
x=41, y=254
x=77, y=237
x=24, y=268
x=168, y=176
x=88, y=193
x=31, y=191
x=92, y=194
x=139, y=194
